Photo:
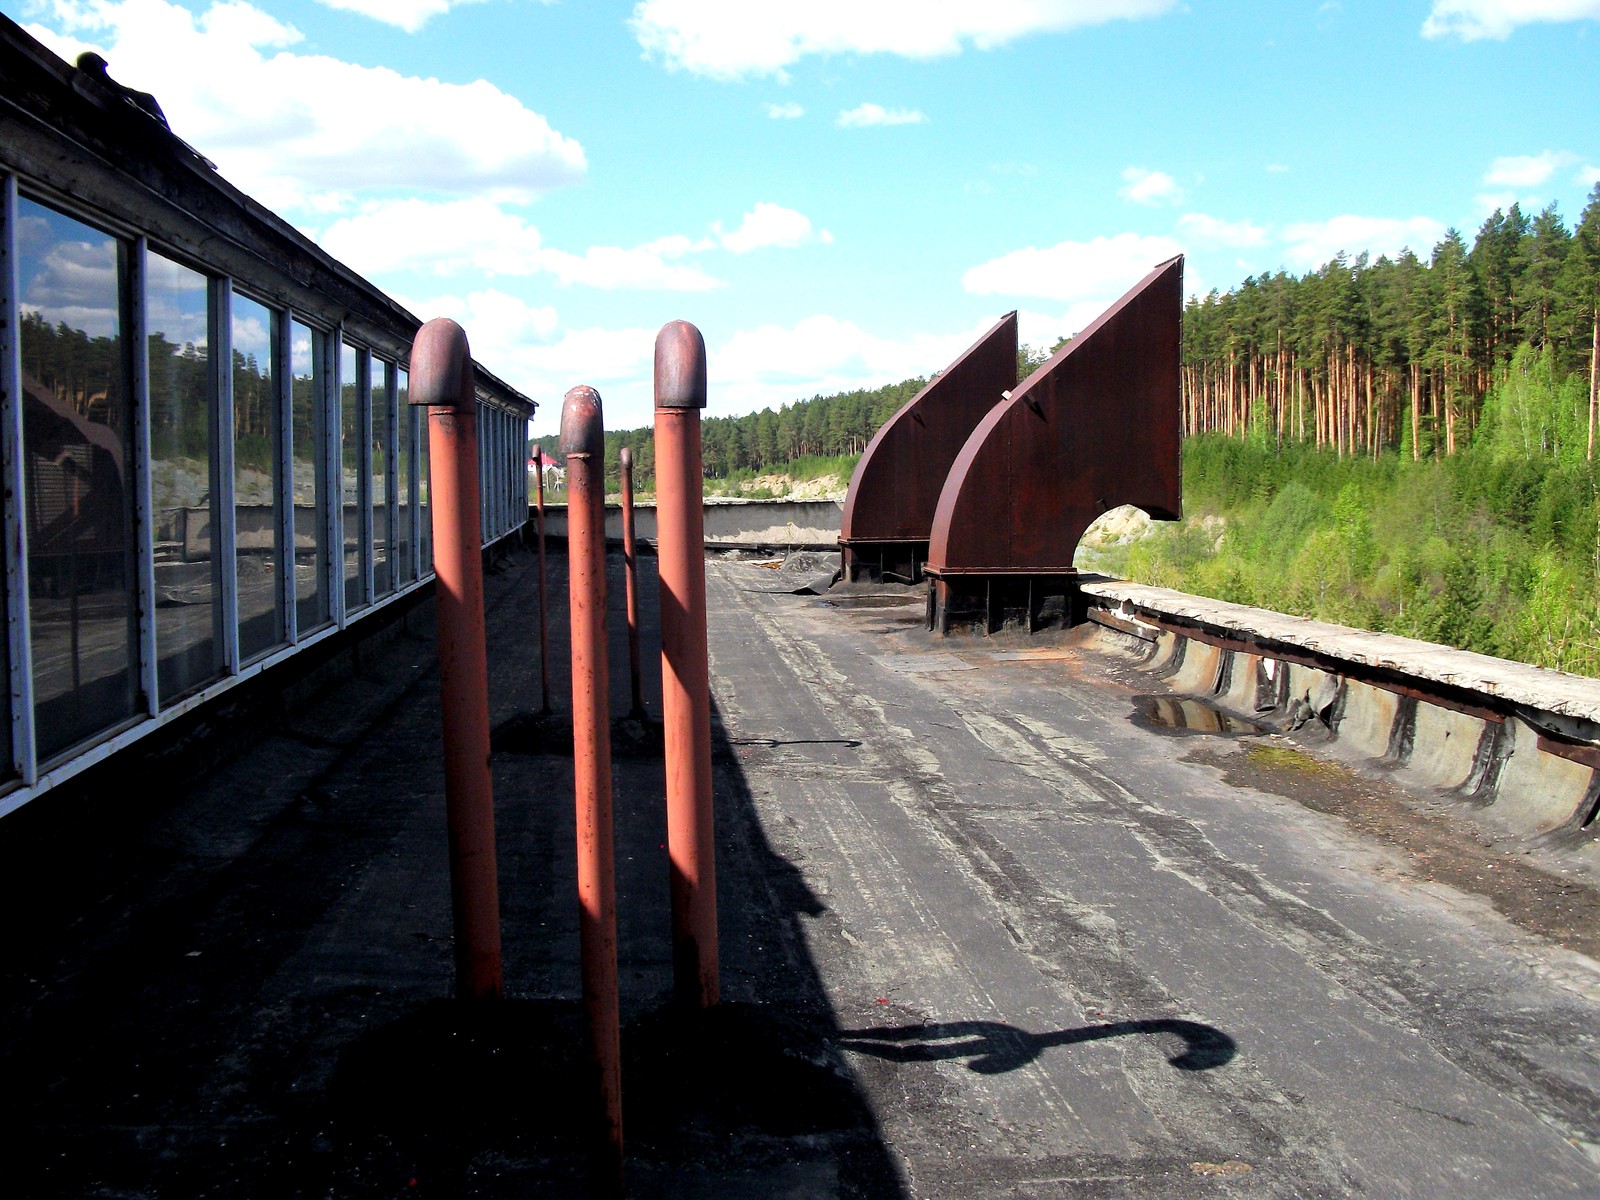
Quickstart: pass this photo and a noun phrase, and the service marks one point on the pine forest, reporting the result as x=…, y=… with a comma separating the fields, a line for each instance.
x=1402, y=443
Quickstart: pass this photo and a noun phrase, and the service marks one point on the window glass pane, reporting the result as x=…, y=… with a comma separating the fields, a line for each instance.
x=403, y=445
x=424, y=503
x=352, y=471
x=257, y=490
x=78, y=476
x=188, y=609
x=310, y=489
x=382, y=482
x=497, y=473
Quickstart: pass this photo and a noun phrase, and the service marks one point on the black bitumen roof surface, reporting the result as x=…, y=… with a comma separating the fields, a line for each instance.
x=984, y=932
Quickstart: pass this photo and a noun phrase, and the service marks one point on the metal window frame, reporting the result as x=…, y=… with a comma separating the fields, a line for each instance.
x=424, y=479
x=333, y=471
x=391, y=462
x=364, y=474
x=419, y=430
x=68, y=171
x=282, y=334
x=144, y=572
x=19, y=648
x=405, y=413
x=224, y=487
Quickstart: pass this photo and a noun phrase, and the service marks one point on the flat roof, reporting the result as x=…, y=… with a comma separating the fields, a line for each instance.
x=986, y=929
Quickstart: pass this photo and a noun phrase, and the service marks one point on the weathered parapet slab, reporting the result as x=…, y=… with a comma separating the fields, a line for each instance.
x=888, y=513
x=1094, y=428
x=1523, y=741
x=730, y=523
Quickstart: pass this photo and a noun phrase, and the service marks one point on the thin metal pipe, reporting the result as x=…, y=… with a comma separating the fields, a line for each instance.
x=630, y=568
x=680, y=394
x=583, y=443
x=441, y=380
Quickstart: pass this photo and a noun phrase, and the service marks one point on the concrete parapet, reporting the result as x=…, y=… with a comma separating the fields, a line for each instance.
x=1522, y=742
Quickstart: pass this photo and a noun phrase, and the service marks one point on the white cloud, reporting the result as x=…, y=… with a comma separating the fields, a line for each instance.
x=644, y=268
x=1217, y=232
x=863, y=116
x=1097, y=271
x=1043, y=330
x=1526, y=170
x=760, y=367
x=410, y=15
x=728, y=39
x=771, y=225
x=789, y=111
x=1588, y=175
x=481, y=235
x=618, y=363
x=1471, y=20
x=283, y=125
x=1313, y=243
x=775, y=364
x=435, y=238
x=1277, y=169
x=525, y=344
x=446, y=238
x=1487, y=202
x=494, y=319
x=1149, y=187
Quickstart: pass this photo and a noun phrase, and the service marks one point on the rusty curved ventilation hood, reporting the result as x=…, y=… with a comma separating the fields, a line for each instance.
x=1095, y=427
x=888, y=512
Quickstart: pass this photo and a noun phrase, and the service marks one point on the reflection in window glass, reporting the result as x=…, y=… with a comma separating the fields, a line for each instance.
x=382, y=482
x=310, y=485
x=403, y=443
x=78, y=476
x=424, y=504
x=188, y=576
x=352, y=461
x=485, y=490
x=256, y=492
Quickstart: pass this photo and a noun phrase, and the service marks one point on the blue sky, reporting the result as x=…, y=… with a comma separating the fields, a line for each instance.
x=843, y=193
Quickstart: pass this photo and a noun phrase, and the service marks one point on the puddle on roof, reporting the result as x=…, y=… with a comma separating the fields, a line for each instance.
x=1188, y=714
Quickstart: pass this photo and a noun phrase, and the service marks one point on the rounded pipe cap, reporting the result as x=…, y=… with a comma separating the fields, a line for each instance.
x=583, y=428
x=680, y=366
x=441, y=367
x=625, y=457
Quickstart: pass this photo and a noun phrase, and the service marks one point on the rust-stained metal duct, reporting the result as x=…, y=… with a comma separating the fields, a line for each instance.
x=888, y=512
x=1094, y=428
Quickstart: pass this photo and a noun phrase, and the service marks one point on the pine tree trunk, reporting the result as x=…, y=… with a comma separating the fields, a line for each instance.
x=1594, y=378
x=1416, y=412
